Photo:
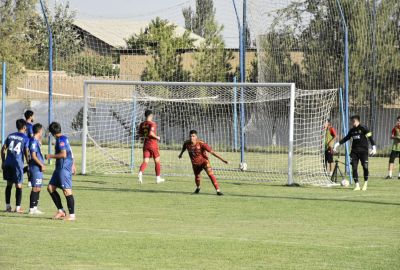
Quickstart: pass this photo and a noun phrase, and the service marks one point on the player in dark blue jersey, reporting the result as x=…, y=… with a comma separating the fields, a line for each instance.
x=12, y=156
x=36, y=168
x=62, y=175
x=29, y=118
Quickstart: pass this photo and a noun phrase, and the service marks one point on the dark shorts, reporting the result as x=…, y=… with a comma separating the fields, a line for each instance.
x=356, y=157
x=197, y=168
x=61, y=179
x=13, y=174
x=328, y=156
x=151, y=152
x=393, y=156
x=35, y=176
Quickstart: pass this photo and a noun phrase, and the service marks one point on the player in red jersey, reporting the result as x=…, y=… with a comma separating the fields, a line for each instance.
x=148, y=131
x=198, y=156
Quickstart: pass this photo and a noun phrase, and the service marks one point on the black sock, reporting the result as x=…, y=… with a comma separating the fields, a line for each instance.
x=71, y=204
x=32, y=199
x=18, y=196
x=37, y=198
x=8, y=194
x=56, y=199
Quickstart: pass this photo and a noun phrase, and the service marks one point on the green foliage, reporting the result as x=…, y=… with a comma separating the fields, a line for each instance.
x=91, y=65
x=197, y=20
x=14, y=47
x=66, y=40
x=160, y=41
x=313, y=28
x=211, y=60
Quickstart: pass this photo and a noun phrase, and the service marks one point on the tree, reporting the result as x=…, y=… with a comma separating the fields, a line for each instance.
x=66, y=40
x=211, y=60
x=160, y=41
x=14, y=26
x=197, y=20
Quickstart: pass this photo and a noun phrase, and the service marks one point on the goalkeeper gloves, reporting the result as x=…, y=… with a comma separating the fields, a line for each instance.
x=335, y=147
x=373, y=151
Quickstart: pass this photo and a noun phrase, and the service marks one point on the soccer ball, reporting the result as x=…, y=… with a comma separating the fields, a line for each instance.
x=243, y=166
x=345, y=183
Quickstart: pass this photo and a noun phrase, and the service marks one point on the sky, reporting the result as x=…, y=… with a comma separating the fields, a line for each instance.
x=145, y=10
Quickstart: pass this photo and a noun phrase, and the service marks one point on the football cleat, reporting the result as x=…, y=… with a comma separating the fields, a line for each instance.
x=59, y=215
x=357, y=188
x=219, y=193
x=365, y=186
x=160, y=180
x=9, y=209
x=196, y=191
x=69, y=218
x=140, y=179
x=36, y=212
x=388, y=177
x=19, y=211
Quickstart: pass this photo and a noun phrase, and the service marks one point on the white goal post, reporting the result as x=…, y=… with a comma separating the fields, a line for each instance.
x=274, y=128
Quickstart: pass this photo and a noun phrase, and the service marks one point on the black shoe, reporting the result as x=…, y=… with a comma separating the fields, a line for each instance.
x=197, y=191
x=219, y=193
x=389, y=177
x=398, y=177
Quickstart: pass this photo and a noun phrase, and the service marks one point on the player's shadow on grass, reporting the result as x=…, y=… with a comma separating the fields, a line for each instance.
x=13, y=215
x=276, y=197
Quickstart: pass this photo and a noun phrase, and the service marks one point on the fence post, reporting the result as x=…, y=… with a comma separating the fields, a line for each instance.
x=3, y=103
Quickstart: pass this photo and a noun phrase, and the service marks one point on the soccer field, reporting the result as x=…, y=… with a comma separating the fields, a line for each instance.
x=121, y=225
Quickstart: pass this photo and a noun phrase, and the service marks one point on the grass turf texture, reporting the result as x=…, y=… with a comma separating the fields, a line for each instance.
x=121, y=225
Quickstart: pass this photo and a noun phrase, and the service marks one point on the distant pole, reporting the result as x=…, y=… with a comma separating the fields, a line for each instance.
x=241, y=64
x=344, y=128
x=133, y=124
x=244, y=43
x=3, y=103
x=346, y=80
x=235, y=117
x=50, y=111
x=373, y=84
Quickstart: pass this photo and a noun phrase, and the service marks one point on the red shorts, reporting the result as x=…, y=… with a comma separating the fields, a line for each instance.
x=197, y=168
x=151, y=152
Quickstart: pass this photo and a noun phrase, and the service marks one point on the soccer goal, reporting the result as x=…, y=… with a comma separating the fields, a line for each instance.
x=272, y=128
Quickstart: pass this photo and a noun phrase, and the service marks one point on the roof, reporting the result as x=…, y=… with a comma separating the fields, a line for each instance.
x=115, y=31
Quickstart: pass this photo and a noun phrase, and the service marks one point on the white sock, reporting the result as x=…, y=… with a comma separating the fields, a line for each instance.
x=35, y=208
x=357, y=184
x=399, y=174
x=72, y=215
x=365, y=183
x=31, y=209
x=140, y=173
x=60, y=210
x=18, y=208
x=158, y=177
x=390, y=173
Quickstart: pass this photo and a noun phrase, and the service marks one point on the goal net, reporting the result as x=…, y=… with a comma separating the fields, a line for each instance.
x=274, y=128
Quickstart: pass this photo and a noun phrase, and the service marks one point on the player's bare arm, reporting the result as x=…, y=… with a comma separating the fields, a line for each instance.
x=154, y=136
x=219, y=157
x=3, y=155
x=61, y=155
x=37, y=161
x=182, y=151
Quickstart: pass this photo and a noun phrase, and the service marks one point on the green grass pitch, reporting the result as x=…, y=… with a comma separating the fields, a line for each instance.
x=121, y=225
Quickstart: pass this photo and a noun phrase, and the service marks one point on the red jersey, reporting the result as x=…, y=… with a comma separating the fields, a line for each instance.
x=144, y=131
x=197, y=152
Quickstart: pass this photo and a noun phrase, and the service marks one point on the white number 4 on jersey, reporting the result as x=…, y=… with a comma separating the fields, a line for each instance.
x=16, y=149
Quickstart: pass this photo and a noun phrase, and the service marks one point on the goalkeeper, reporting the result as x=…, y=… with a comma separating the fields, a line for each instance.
x=395, y=148
x=359, y=149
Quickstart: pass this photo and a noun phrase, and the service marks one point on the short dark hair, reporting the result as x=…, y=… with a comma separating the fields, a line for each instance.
x=398, y=118
x=55, y=128
x=20, y=124
x=355, y=117
x=28, y=114
x=36, y=128
x=193, y=132
x=148, y=112
x=328, y=120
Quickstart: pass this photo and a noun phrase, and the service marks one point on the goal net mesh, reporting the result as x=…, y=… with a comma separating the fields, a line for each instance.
x=114, y=112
